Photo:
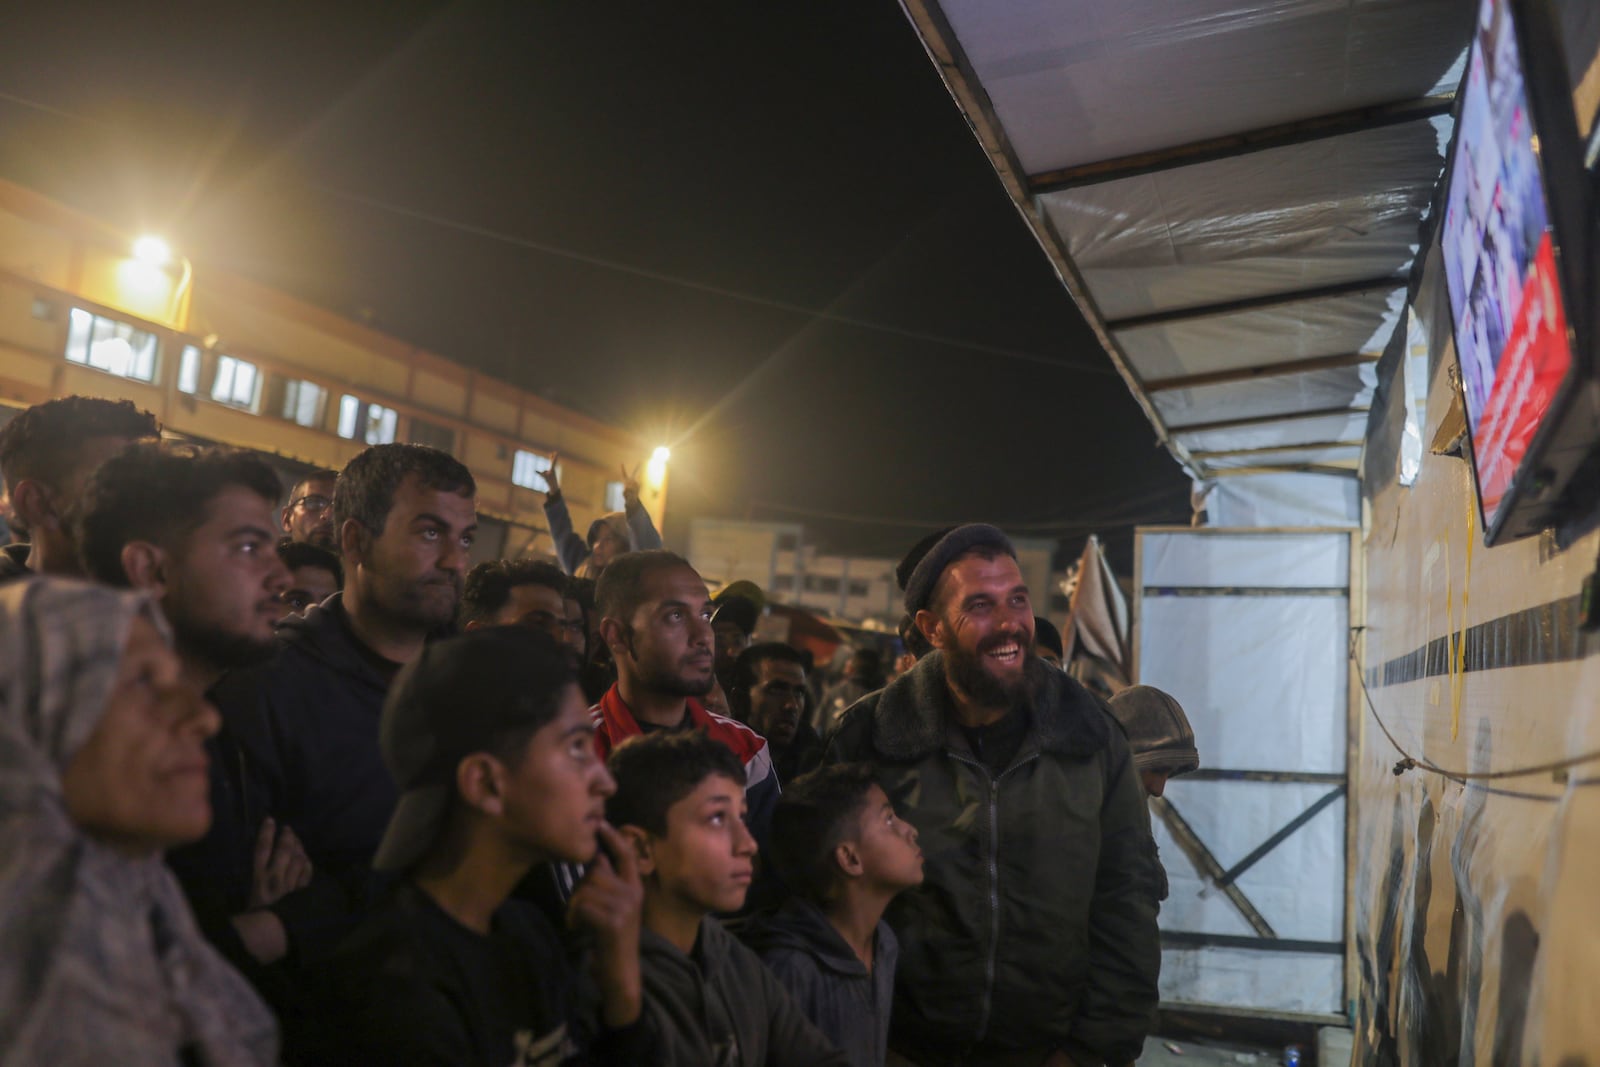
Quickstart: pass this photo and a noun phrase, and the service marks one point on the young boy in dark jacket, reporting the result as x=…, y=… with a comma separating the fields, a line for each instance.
x=491, y=745
x=839, y=845
x=680, y=801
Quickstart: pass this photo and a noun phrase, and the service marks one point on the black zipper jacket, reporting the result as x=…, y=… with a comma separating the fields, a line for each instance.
x=1035, y=928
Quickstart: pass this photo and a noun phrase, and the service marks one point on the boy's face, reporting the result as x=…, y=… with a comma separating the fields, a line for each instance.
x=707, y=858
x=890, y=857
x=555, y=794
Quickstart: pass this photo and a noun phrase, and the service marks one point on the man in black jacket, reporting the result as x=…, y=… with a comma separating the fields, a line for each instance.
x=307, y=721
x=1032, y=939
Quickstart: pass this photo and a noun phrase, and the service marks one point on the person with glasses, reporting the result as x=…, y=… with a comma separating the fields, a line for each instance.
x=523, y=592
x=308, y=516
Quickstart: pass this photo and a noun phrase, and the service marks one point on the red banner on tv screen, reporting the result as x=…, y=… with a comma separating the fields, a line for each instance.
x=1530, y=372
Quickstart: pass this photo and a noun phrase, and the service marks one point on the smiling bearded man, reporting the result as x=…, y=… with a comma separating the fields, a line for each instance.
x=1031, y=940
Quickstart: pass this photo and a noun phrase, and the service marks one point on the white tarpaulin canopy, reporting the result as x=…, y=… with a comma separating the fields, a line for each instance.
x=1231, y=191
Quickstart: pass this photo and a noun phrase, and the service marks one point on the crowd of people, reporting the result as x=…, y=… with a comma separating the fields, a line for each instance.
x=294, y=782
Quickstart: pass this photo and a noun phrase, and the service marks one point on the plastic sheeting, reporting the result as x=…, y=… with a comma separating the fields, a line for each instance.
x=1344, y=457
x=1119, y=81
x=1285, y=500
x=1248, y=630
x=1298, y=559
x=1336, y=427
x=1330, y=326
x=1341, y=209
x=1338, y=387
x=1099, y=79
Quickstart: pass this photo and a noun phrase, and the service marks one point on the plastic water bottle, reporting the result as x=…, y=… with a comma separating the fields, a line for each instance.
x=1291, y=1056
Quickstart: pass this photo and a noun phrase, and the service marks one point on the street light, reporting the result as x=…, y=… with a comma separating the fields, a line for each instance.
x=152, y=250
x=155, y=252
x=656, y=469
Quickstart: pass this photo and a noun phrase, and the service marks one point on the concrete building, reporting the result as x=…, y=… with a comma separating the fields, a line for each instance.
x=85, y=309
x=858, y=589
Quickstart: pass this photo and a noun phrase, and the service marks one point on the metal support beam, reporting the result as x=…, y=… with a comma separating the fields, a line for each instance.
x=1224, y=453
x=1284, y=468
x=1195, y=939
x=1246, y=590
x=1388, y=283
x=1283, y=135
x=1207, y=864
x=1281, y=369
x=1278, y=838
x=1218, y=774
x=1266, y=420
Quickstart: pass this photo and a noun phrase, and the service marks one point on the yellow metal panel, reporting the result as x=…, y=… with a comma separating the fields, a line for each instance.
x=439, y=394
x=491, y=410
x=29, y=368
x=33, y=251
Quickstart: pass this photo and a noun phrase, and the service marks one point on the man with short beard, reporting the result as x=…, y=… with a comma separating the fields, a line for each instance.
x=1032, y=939
x=656, y=620
x=308, y=719
x=194, y=528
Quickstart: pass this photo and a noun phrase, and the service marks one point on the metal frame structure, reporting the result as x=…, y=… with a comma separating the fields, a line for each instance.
x=1225, y=879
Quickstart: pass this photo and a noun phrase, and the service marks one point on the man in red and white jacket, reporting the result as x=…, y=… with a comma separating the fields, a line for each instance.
x=655, y=617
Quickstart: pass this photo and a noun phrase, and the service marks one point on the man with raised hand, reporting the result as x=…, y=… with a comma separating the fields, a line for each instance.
x=609, y=536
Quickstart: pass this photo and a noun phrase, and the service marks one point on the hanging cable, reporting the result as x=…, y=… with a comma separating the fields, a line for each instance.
x=1409, y=762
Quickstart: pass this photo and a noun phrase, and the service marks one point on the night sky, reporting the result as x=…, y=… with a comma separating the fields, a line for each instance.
x=633, y=209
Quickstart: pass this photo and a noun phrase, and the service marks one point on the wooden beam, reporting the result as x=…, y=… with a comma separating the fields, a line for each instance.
x=1309, y=446
x=1206, y=863
x=1284, y=468
x=1267, y=420
x=1282, y=135
x=1281, y=369
x=1387, y=283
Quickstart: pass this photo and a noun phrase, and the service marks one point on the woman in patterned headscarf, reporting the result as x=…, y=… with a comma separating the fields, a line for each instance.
x=102, y=766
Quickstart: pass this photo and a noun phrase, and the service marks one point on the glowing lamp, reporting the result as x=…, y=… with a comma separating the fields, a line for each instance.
x=656, y=469
x=152, y=250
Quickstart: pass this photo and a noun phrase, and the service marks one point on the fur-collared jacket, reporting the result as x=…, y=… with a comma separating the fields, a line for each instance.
x=1035, y=928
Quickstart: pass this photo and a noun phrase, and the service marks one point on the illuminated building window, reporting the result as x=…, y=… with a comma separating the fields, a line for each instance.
x=238, y=383
x=361, y=420
x=424, y=432
x=528, y=470
x=112, y=346
x=615, y=501
x=303, y=402
x=189, y=370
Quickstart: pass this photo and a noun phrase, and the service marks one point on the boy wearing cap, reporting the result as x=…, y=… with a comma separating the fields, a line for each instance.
x=680, y=800
x=1163, y=747
x=489, y=741
x=1158, y=733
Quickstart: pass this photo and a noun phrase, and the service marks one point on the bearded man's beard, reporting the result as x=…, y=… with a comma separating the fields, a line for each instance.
x=969, y=674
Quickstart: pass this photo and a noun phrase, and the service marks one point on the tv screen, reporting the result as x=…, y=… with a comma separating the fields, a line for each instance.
x=1503, y=257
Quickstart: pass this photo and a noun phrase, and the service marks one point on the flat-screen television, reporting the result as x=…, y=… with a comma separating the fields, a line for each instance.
x=1515, y=238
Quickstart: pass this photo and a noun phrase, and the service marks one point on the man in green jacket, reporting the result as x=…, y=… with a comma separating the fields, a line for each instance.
x=1033, y=939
